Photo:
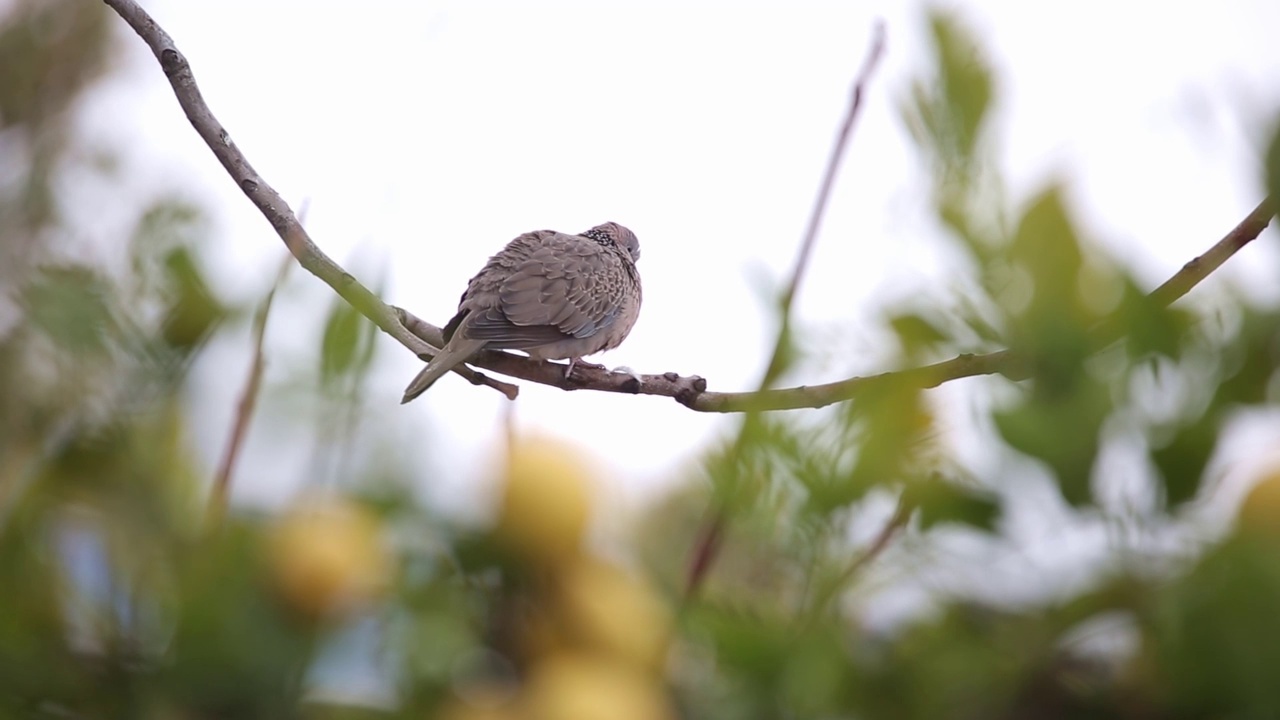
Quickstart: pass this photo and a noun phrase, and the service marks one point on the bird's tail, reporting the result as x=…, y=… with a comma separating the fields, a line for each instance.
x=450, y=357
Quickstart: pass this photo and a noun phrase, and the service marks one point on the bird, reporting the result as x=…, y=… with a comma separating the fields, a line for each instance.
x=550, y=294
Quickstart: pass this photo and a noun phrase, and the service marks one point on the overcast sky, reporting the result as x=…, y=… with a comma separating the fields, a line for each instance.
x=427, y=134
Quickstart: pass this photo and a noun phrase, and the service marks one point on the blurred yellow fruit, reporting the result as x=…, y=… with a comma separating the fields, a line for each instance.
x=541, y=633
x=1260, y=511
x=481, y=704
x=458, y=710
x=612, y=611
x=586, y=687
x=327, y=558
x=546, y=500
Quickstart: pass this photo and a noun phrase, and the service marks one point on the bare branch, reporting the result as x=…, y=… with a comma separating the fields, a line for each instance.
x=803, y=255
x=878, y=545
x=1199, y=268
x=264, y=197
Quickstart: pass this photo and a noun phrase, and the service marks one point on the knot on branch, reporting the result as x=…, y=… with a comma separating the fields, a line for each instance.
x=172, y=62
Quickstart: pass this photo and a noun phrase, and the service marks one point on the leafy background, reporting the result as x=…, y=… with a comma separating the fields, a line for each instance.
x=126, y=597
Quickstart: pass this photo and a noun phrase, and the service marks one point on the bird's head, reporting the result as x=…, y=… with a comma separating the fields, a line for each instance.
x=618, y=235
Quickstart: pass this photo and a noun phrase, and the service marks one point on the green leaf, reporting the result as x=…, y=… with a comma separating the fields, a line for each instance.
x=1050, y=327
x=235, y=647
x=1272, y=167
x=965, y=80
x=194, y=312
x=917, y=334
x=71, y=304
x=939, y=501
x=946, y=113
x=1252, y=359
x=347, y=344
x=1062, y=430
x=1182, y=460
x=1047, y=247
x=895, y=420
x=1209, y=633
x=1149, y=327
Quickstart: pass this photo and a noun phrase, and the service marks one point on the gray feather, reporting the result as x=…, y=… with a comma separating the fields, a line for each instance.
x=454, y=353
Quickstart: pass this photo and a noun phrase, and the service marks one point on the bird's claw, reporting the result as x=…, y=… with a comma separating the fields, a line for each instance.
x=579, y=363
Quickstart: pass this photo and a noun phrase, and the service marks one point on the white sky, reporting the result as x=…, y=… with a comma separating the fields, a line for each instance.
x=428, y=134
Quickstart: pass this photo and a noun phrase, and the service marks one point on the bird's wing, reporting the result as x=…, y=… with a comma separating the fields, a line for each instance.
x=565, y=288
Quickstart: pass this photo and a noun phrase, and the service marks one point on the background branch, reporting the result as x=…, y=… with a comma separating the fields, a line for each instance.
x=805, y=253
x=221, y=492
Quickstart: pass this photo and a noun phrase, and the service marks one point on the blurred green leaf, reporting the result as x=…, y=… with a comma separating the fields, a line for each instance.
x=347, y=345
x=895, y=421
x=1271, y=166
x=917, y=334
x=35, y=660
x=72, y=305
x=1251, y=359
x=965, y=79
x=1051, y=329
x=162, y=226
x=194, y=312
x=1148, y=327
x=235, y=651
x=1209, y=635
x=1063, y=431
x=939, y=501
x=51, y=50
x=947, y=112
x=1181, y=461
x=762, y=650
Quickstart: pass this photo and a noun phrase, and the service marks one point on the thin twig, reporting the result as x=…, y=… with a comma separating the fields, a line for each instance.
x=1200, y=267
x=221, y=493
x=805, y=252
x=707, y=547
x=878, y=545
x=265, y=198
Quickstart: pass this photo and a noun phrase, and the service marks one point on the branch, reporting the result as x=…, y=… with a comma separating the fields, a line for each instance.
x=265, y=198
x=423, y=338
x=691, y=390
x=1200, y=267
x=221, y=493
x=803, y=255
x=878, y=545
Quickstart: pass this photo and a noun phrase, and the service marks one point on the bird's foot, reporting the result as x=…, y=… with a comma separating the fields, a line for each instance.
x=579, y=363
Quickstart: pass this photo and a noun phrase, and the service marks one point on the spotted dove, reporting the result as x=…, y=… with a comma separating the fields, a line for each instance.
x=550, y=294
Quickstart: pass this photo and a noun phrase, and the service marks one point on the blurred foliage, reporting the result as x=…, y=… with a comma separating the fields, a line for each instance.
x=119, y=601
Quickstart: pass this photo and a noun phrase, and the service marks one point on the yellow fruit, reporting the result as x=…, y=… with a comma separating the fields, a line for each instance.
x=546, y=501
x=327, y=558
x=461, y=711
x=480, y=704
x=1260, y=511
x=585, y=687
x=609, y=610
x=541, y=633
